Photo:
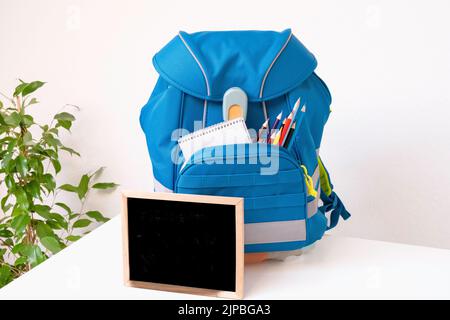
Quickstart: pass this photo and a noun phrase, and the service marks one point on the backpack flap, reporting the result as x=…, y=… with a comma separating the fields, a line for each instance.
x=265, y=64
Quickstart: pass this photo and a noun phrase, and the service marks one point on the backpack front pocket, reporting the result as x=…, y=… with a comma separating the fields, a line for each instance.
x=270, y=180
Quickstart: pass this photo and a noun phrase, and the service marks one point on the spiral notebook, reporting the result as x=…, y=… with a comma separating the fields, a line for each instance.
x=229, y=132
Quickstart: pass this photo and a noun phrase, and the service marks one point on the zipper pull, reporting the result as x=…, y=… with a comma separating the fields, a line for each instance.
x=309, y=182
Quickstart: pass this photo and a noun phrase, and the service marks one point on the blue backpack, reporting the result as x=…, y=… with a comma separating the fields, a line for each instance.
x=274, y=69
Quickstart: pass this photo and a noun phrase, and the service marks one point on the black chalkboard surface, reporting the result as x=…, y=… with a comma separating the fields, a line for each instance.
x=185, y=243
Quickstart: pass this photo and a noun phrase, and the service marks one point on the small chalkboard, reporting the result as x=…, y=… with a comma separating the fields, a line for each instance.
x=184, y=243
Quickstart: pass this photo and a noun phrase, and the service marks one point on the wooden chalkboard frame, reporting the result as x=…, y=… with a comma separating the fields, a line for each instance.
x=239, y=218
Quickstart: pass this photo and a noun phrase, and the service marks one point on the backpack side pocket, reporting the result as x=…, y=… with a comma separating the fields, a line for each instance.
x=159, y=120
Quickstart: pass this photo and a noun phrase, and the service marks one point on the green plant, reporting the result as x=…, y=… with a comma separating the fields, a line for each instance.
x=33, y=223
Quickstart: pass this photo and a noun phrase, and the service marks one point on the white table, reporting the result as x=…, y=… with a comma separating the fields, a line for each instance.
x=335, y=268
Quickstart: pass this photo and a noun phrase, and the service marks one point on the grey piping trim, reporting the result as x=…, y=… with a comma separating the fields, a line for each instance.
x=271, y=65
x=205, y=111
x=278, y=231
x=198, y=62
x=265, y=110
x=158, y=187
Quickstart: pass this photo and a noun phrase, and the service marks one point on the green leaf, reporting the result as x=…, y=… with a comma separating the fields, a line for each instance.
x=5, y=233
x=83, y=186
x=36, y=165
x=65, y=116
x=27, y=120
x=6, y=208
x=82, y=223
x=34, y=189
x=9, y=165
x=59, y=219
x=56, y=165
x=31, y=87
x=43, y=230
x=97, y=216
x=64, y=206
x=55, y=131
x=51, y=244
x=27, y=138
x=21, y=198
x=33, y=101
x=22, y=165
x=20, y=260
x=9, y=154
x=65, y=124
x=71, y=151
x=54, y=225
x=42, y=210
x=73, y=238
x=5, y=275
x=69, y=188
x=17, y=211
x=51, y=153
x=20, y=222
x=18, y=248
x=19, y=89
x=73, y=216
x=9, y=181
x=13, y=119
x=104, y=185
x=52, y=141
x=34, y=254
x=97, y=173
x=3, y=203
x=48, y=181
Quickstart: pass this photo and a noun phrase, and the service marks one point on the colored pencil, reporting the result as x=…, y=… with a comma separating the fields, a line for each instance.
x=288, y=124
x=272, y=136
x=263, y=132
x=274, y=127
x=289, y=134
x=278, y=136
x=297, y=127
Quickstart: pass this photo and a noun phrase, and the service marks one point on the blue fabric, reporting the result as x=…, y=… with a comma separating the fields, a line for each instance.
x=234, y=59
x=334, y=204
x=273, y=68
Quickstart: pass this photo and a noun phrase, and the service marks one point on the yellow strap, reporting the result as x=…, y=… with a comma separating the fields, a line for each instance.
x=309, y=183
x=325, y=185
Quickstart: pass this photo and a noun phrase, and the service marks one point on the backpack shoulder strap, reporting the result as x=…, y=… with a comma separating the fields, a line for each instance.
x=331, y=201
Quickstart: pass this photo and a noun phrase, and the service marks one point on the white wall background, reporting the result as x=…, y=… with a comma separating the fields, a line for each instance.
x=386, y=63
